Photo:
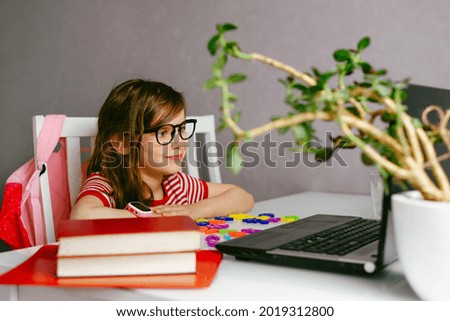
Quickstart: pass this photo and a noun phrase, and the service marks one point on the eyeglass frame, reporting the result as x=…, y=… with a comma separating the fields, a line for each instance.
x=175, y=129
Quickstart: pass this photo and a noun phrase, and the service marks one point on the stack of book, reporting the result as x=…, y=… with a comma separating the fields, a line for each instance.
x=128, y=246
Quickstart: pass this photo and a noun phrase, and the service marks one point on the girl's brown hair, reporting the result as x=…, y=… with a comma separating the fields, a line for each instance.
x=130, y=107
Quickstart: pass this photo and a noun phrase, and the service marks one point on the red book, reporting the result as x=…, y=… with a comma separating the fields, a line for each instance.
x=128, y=236
x=126, y=264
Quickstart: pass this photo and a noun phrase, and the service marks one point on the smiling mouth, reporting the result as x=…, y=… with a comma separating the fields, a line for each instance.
x=175, y=157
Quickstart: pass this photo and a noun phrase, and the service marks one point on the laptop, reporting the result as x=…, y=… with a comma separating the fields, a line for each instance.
x=339, y=243
x=322, y=241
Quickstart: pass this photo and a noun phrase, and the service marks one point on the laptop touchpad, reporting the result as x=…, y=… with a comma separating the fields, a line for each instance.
x=262, y=241
x=307, y=225
x=268, y=240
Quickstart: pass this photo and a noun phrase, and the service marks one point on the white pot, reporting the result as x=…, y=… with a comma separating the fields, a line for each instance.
x=422, y=235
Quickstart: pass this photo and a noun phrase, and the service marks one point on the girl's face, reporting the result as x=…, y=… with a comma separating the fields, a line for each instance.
x=158, y=160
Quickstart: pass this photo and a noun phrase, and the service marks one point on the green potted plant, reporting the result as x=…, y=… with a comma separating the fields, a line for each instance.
x=402, y=149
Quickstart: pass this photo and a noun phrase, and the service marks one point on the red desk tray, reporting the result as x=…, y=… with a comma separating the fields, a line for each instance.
x=40, y=270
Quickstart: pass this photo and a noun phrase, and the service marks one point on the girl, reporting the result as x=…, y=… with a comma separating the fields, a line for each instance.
x=140, y=144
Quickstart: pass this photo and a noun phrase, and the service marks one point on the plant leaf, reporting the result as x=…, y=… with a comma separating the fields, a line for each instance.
x=363, y=43
x=323, y=154
x=366, y=160
x=283, y=130
x=211, y=83
x=349, y=68
x=300, y=134
x=232, y=97
x=417, y=123
x=234, y=159
x=323, y=78
x=231, y=48
x=316, y=72
x=222, y=125
x=384, y=91
x=237, y=117
x=366, y=68
x=221, y=61
x=342, y=55
x=299, y=86
x=353, y=110
x=343, y=142
x=235, y=78
x=387, y=117
x=227, y=27
x=213, y=45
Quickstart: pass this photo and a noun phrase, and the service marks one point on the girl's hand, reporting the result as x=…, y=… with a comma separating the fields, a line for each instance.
x=174, y=210
x=223, y=199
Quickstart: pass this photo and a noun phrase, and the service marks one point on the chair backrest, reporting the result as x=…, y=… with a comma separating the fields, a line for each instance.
x=81, y=131
x=202, y=160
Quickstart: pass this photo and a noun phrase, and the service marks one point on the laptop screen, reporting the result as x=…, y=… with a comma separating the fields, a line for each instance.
x=419, y=97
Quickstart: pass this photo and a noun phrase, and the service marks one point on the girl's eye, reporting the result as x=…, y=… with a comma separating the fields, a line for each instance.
x=164, y=132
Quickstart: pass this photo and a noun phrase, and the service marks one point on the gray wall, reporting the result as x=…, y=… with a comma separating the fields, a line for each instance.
x=64, y=56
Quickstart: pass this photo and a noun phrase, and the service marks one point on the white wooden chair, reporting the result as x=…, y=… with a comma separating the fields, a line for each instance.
x=78, y=129
x=203, y=150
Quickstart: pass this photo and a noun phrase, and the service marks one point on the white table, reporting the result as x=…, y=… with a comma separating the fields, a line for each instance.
x=239, y=280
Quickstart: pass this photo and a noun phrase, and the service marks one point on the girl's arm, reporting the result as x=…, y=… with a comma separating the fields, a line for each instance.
x=91, y=207
x=223, y=199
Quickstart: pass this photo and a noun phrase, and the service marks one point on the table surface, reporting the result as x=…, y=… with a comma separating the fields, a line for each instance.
x=243, y=280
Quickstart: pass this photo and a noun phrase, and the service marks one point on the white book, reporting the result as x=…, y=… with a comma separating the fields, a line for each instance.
x=119, y=265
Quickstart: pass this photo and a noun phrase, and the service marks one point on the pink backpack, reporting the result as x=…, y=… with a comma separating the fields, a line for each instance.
x=21, y=218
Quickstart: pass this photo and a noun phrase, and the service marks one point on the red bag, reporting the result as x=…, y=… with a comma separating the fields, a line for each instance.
x=21, y=218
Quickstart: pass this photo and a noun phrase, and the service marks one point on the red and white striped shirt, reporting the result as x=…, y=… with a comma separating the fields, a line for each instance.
x=179, y=188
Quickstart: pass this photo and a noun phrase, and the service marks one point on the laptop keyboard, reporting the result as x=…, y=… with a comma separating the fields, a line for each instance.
x=338, y=241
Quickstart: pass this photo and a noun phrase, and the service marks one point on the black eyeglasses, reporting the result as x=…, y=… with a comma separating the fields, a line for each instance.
x=166, y=133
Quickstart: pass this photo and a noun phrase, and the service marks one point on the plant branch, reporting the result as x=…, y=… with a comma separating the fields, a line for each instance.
x=445, y=133
x=358, y=107
x=413, y=139
x=405, y=149
x=286, y=68
x=291, y=121
x=374, y=155
x=376, y=133
x=437, y=170
x=226, y=113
